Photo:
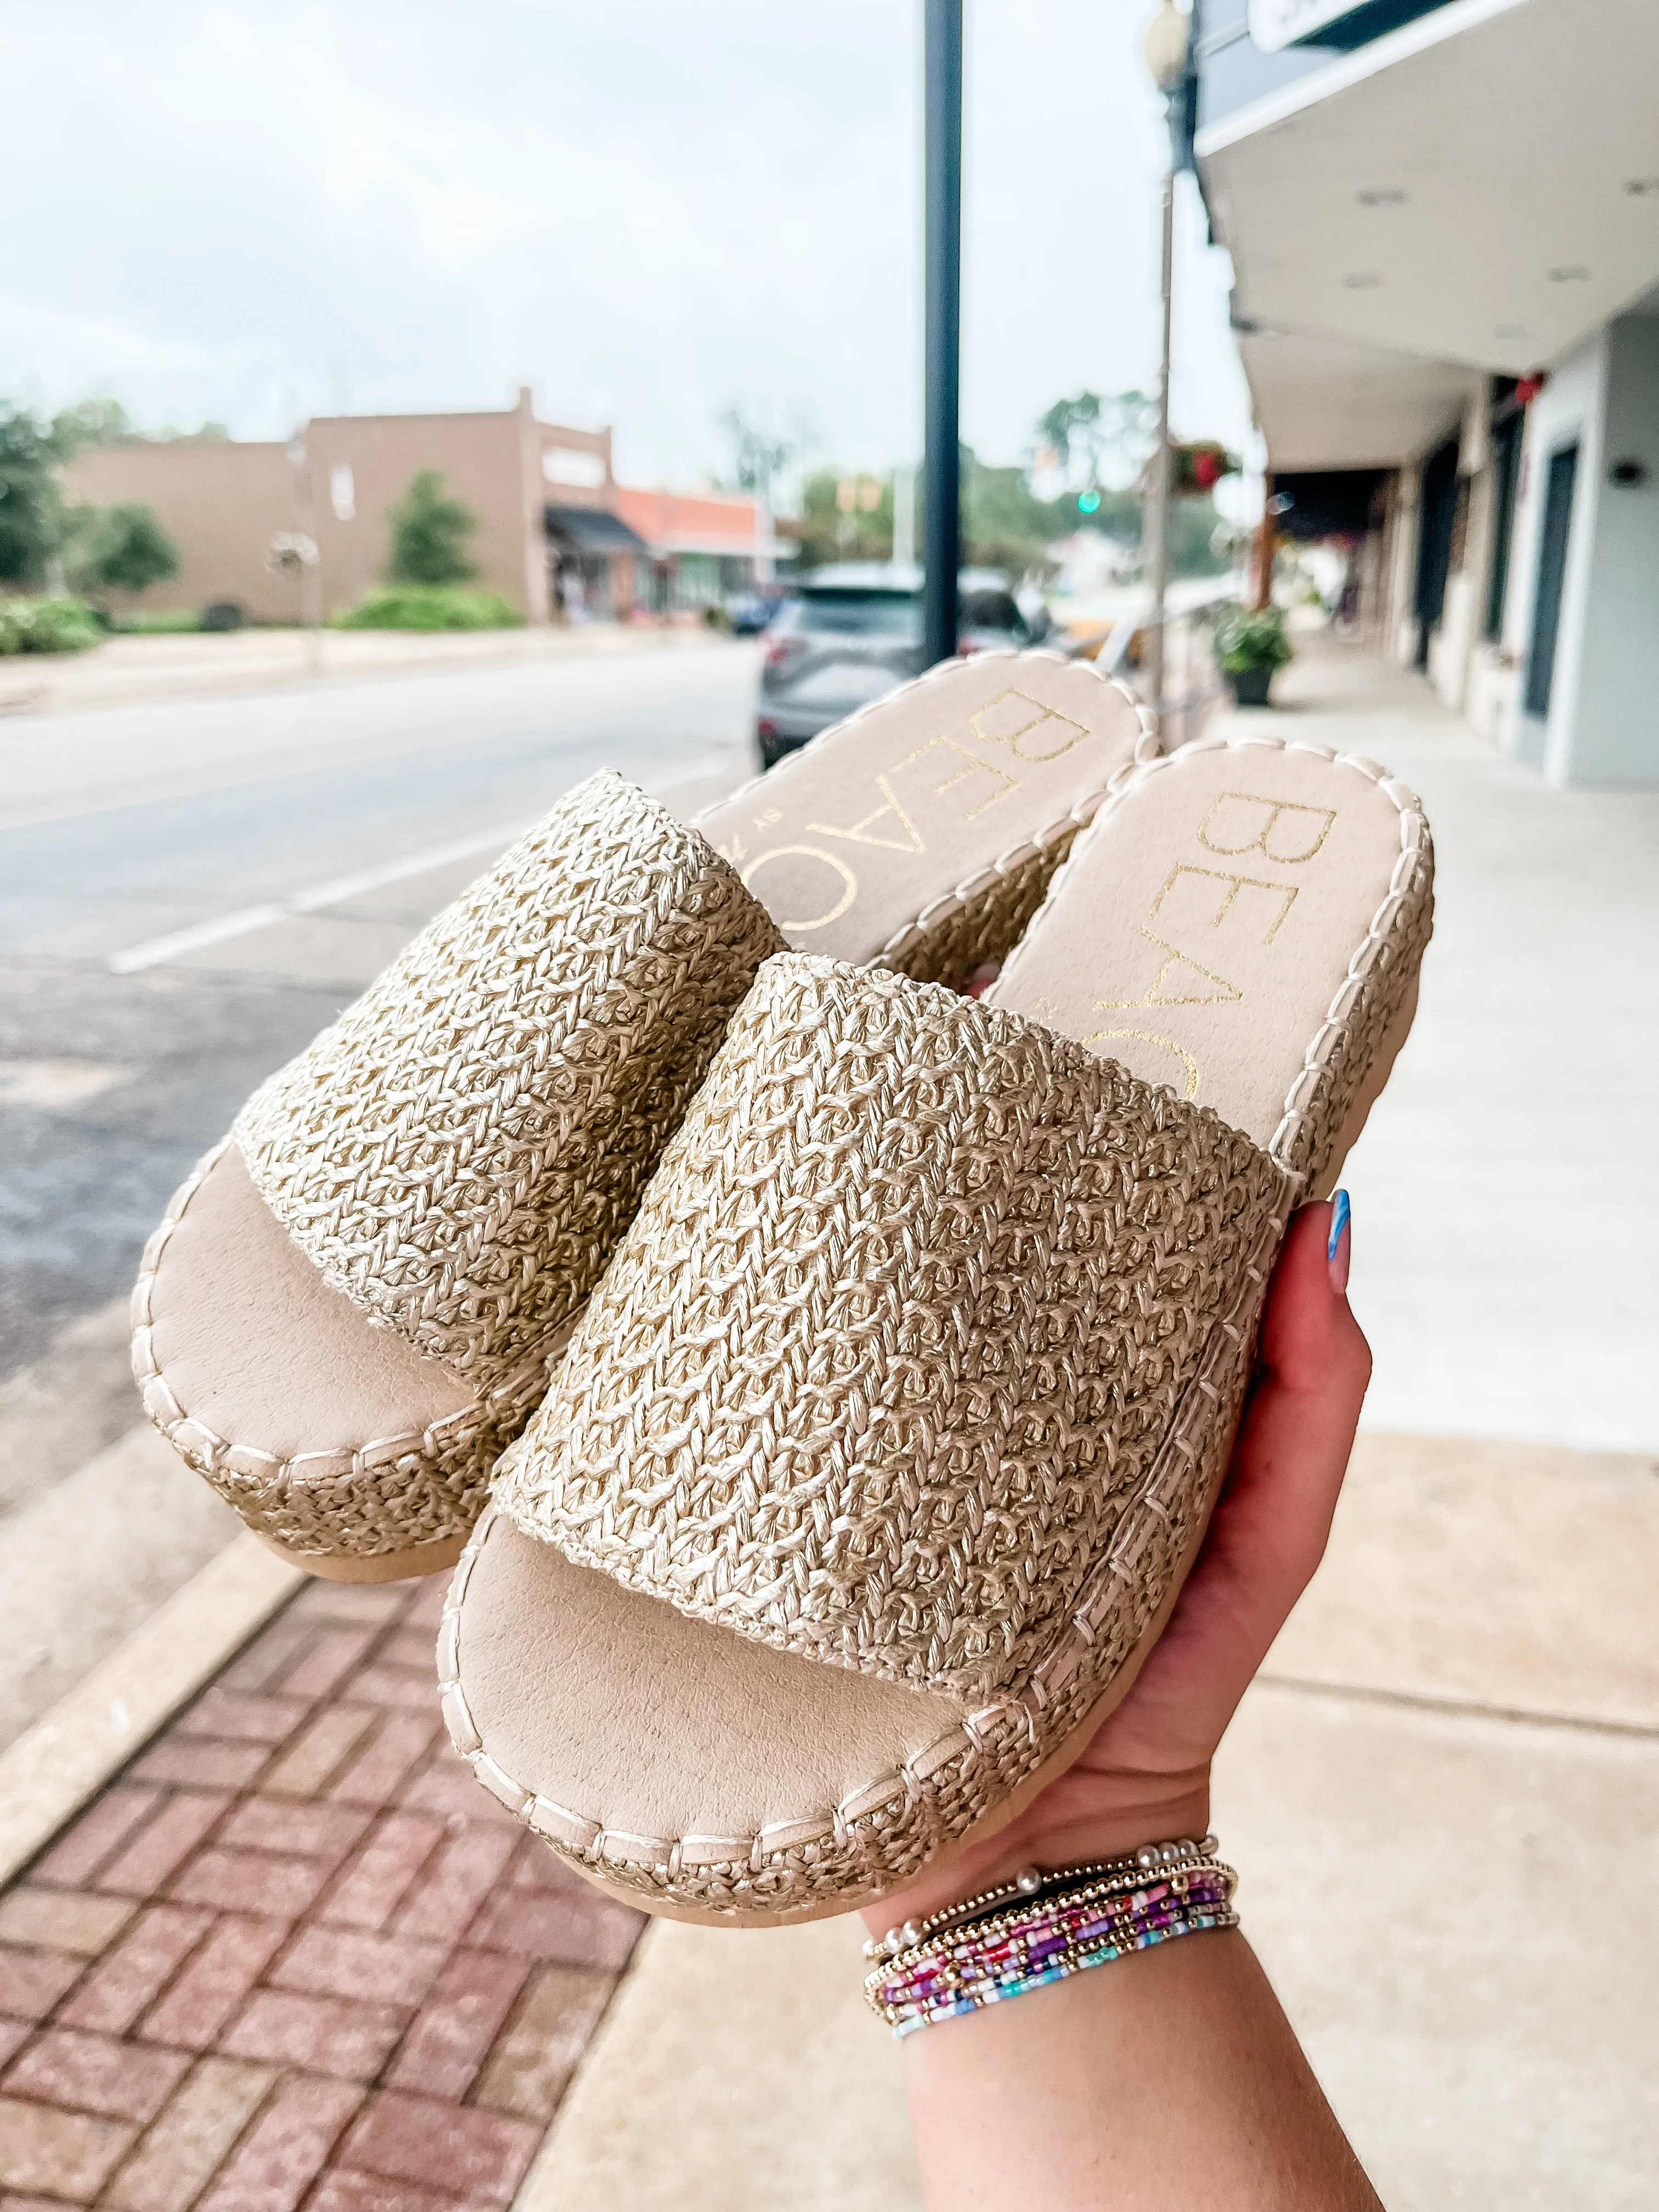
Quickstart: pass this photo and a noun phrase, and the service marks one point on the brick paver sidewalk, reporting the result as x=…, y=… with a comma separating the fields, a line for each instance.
x=294, y=1956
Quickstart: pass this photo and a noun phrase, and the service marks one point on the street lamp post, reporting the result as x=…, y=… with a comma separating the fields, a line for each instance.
x=1165, y=48
x=904, y=518
x=941, y=531
x=300, y=545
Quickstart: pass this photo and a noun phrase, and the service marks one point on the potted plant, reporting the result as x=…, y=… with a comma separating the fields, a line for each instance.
x=1249, y=644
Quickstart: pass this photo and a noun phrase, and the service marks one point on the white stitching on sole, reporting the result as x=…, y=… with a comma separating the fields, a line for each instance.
x=1413, y=826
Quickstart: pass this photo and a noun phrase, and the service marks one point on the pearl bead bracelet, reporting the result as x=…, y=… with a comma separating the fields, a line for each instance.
x=1032, y=1882
x=1042, y=1927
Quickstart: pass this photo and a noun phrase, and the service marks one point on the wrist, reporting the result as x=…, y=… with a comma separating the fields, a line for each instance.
x=1043, y=1927
x=1079, y=1833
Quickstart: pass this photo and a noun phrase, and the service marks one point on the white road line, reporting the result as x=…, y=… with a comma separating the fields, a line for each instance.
x=395, y=871
x=158, y=950
x=247, y=918
x=187, y=940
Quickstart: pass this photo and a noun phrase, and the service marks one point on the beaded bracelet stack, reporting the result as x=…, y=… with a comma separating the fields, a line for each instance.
x=1042, y=1927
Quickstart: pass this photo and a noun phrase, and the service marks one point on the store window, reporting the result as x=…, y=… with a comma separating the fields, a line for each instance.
x=1506, y=437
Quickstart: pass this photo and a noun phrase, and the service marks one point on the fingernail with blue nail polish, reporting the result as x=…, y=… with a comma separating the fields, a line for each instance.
x=1339, y=1244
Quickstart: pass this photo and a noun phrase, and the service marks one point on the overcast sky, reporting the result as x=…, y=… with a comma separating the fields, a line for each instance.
x=648, y=210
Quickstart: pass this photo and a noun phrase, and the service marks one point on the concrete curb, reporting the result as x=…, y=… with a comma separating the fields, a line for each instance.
x=53, y=1768
x=106, y=680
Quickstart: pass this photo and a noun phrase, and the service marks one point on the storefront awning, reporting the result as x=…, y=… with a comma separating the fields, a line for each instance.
x=594, y=530
x=1475, y=188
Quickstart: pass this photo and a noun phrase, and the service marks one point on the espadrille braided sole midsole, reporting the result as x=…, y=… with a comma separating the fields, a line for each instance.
x=370, y=1567
x=877, y=1376
x=350, y=1309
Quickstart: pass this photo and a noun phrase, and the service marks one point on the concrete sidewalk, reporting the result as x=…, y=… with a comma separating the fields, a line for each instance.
x=1502, y=1218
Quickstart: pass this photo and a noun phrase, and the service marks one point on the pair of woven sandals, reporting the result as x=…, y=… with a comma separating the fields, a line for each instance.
x=829, y=1375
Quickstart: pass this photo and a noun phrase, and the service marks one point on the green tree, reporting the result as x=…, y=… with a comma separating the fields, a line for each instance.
x=118, y=549
x=113, y=548
x=31, y=508
x=429, y=531
x=91, y=423
x=1006, y=526
x=34, y=520
x=757, y=456
x=107, y=422
x=861, y=530
x=1101, y=446
x=1071, y=429
x=1096, y=440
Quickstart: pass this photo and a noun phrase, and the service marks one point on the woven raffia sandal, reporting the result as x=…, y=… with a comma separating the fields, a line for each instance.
x=355, y=1301
x=879, y=1457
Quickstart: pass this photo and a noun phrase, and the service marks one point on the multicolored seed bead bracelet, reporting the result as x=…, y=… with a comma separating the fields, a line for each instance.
x=1042, y=1927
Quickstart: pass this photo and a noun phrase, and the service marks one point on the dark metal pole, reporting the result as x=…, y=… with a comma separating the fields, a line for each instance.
x=941, y=531
x=1157, y=506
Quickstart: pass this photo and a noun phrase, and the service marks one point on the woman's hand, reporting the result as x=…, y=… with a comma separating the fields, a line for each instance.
x=1171, y=2077
x=1146, y=1777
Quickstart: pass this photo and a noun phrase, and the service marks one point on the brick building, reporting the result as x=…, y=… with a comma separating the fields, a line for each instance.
x=554, y=533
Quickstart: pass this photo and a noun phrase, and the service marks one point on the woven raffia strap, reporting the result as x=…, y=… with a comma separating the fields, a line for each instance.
x=908, y=1310
x=460, y=1151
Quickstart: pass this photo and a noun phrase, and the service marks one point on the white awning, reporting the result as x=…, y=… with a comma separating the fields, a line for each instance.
x=1479, y=188
x=1331, y=403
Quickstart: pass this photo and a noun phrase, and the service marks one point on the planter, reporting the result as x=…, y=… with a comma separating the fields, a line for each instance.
x=1250, y=686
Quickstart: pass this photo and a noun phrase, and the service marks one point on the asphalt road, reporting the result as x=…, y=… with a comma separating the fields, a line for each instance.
x=187, y=893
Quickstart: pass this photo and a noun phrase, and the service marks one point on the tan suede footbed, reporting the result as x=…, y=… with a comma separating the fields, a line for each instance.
x=949, y=802
x=1211, y=932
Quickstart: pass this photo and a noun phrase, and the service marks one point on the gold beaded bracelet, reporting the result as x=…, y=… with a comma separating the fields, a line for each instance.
x=1031, y=1883
x=1042, y=1927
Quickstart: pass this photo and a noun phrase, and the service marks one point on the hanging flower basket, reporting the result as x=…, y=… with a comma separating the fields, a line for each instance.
x=1197, y=467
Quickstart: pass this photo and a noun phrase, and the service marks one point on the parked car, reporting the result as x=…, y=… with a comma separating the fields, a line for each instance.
x=752, y=612
x=853, y=631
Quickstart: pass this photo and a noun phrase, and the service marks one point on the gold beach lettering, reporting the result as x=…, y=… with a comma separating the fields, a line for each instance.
x=1195, y=904
x=906, y=815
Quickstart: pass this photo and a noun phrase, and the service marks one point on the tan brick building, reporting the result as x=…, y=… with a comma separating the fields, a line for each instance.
x=527, y=483
x=704, y=545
